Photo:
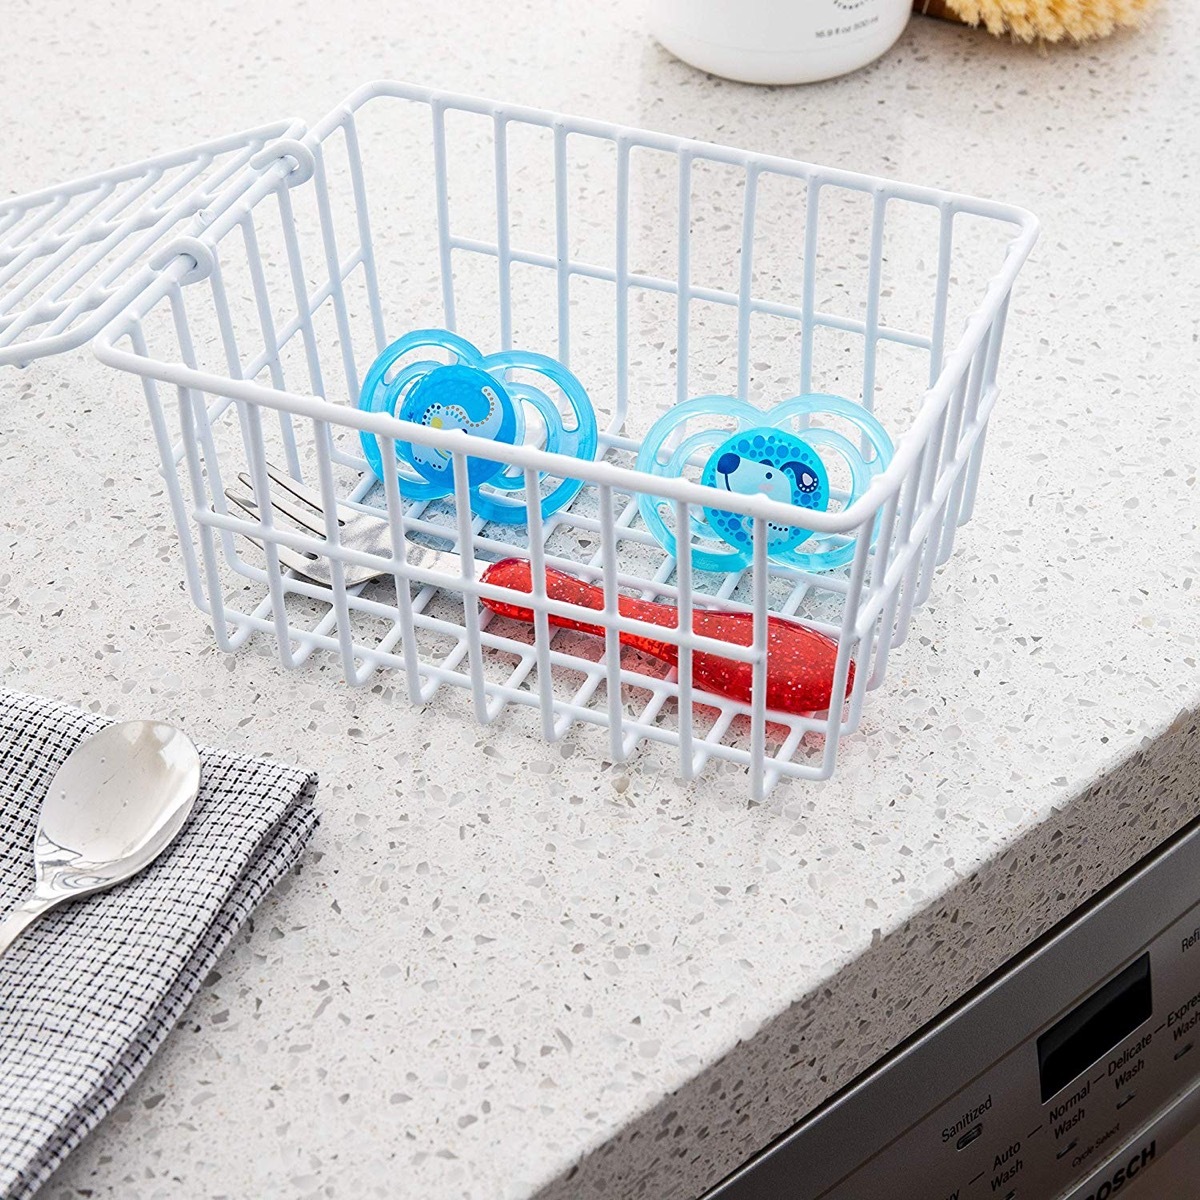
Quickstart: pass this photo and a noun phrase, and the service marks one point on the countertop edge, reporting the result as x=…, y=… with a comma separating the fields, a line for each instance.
x=699, y=1133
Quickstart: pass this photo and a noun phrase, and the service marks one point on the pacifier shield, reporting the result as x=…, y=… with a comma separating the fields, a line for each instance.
x=769, y=462
x=458, y=397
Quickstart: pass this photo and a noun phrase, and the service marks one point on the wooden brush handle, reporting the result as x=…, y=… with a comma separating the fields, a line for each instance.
x=937, y=8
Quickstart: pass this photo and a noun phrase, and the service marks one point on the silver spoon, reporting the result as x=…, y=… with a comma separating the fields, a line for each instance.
x=113, y=807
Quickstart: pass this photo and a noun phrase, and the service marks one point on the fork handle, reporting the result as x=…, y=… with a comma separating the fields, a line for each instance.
x=800, y=661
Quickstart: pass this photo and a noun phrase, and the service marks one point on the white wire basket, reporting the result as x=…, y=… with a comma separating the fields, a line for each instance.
x=72, y=255
x=656, y=268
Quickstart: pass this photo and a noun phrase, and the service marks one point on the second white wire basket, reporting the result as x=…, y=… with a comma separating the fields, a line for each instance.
x=657, y=269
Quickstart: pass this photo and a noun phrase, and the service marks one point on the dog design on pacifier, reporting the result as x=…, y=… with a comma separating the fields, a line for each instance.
x=498, y=397
x=765, y=461
x=780, y=454
x=751, y=477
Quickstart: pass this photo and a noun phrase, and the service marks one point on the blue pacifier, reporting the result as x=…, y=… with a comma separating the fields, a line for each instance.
x=776, y=454
x=478, y=394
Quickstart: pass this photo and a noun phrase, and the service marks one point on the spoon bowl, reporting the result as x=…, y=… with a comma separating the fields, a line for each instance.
x=117, y=802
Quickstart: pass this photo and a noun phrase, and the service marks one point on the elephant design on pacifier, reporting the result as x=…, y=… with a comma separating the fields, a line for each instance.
x=484, y=396
x=457, y=397
x=781, y=454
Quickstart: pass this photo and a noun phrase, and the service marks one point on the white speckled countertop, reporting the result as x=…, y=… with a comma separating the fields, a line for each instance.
x=503, y=962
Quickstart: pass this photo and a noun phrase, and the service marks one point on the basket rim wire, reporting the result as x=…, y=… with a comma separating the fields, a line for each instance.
x=191, y=258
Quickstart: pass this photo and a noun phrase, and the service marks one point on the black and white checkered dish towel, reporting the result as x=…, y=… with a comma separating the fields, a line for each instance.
x=88, y=993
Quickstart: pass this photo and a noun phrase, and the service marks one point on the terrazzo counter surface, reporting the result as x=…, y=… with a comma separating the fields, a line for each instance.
x=508, y=969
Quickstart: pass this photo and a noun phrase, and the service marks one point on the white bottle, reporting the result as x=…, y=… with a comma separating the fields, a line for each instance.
x=778, y=41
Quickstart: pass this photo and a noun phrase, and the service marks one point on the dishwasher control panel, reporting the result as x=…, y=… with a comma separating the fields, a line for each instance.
x=1047, y=1114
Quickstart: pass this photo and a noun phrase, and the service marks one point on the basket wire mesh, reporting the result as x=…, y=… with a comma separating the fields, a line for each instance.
x=70, y=256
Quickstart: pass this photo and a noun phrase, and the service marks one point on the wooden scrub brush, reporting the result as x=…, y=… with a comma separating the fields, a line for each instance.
x=1041, y=20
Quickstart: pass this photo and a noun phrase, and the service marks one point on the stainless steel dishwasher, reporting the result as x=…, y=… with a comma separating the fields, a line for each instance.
x=1073, y=1073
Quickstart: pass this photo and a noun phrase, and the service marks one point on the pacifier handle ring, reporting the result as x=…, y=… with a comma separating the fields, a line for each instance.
x=582, y=441
x=444, y=339
x=861, y=474
x=682, y=454
x=673, y=466
x=502, y=510
x=385, y=397
x=728, y=559
x=541, y=364
x=841, y=546
x=704, y=406
x=838, y=406
x=514, y=477
x=586, y=426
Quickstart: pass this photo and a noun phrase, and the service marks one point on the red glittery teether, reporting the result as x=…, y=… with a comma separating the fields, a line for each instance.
x=800, y=661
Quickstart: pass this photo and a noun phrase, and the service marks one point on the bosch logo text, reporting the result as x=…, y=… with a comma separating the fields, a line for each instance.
x=1122, y=1175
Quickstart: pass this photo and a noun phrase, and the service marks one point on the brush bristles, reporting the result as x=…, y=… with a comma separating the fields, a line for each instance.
x=1051, y=20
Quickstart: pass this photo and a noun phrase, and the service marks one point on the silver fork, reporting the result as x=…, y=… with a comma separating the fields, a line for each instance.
x=356, y=530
